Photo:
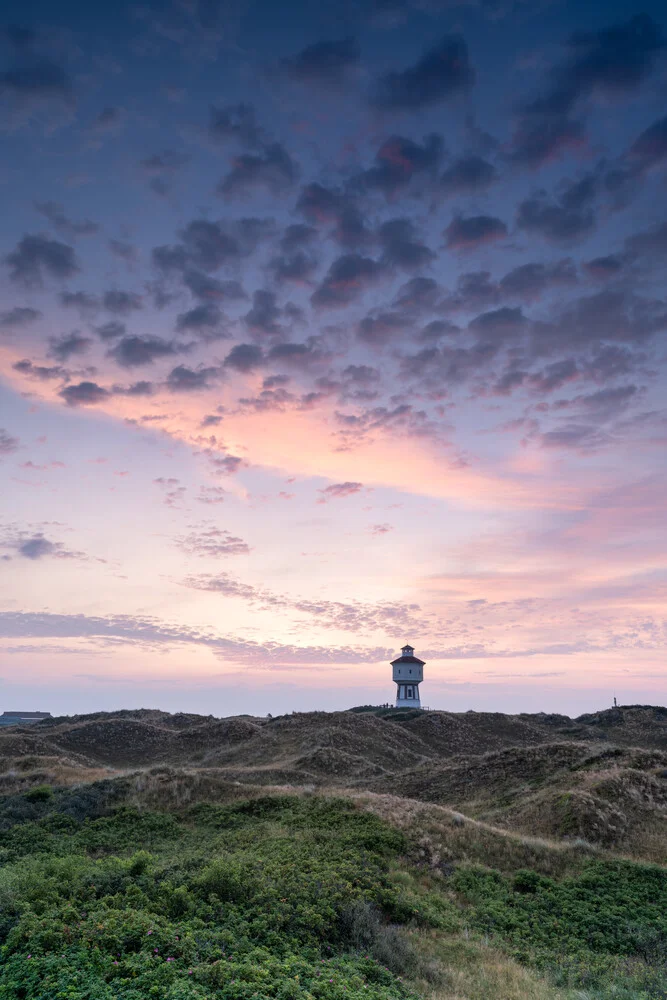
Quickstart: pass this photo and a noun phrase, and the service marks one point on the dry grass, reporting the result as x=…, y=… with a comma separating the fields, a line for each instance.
x=463, y=969
x=444, y=837
x=22, y=774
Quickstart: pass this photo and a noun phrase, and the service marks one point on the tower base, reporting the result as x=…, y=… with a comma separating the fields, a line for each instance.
x=407, y=696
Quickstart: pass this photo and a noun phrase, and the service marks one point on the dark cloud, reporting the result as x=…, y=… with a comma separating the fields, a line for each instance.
x=83, y=394
x=468, y=175
x=204, y=320
x=586, y=438
x=296, y=237
x=566, y=217
x=603, y=267
x=208, y=246
x=236, y=122
x=398, y=160
x=554, y=376
x=142, y=388
x=162, y=168
x=124, y=250
x=610, y=315
x=8, y=444
x=380, y=529
x=347, y=279
x=339, y=490
x=530, y=281
x=54, y=212
x=326, y=62
x=323, y=205
x=468, y=233
x=41, y=372
x=69, y=345
x=226, y=465
x=245, y=357
x=418, y=294
x=209, y=541
x=437, y=329
x=273, y=168
x=34, y=87
x=442, y=72
x=650, y=148
x=499, y=324
x=610, y=63
x=539, y=139
x=37, y=547
x=400, y=246
x=205, y=288
x=121, y=302
x=381, y=327
x=130, y=352
x=182, y=379
x=19, y=316
x=37, y=256
x=297, y=267
x=400, y=420
x=649, y=244
x=173, y=492
x=607, y=403
x=361, y=374
x=111, y=330
x=19, y=35
x=436, y=367
x=474, y=290
x=262, y=318
x=108, y=120
x=269, y=400
x=84, y=303
x=212, y=495
x=295, y=355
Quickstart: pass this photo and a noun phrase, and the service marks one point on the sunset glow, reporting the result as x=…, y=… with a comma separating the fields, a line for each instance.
x=327, y=329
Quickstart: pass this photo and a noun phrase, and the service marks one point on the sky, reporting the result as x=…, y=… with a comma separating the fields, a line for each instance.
x=326, y=328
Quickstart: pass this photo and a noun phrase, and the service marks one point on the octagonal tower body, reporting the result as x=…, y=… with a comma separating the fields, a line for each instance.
x=408, y=673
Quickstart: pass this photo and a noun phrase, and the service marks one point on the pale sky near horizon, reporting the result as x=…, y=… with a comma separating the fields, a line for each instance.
x=326, y=328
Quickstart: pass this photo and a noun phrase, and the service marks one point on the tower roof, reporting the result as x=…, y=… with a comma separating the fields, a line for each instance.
x=407, y=656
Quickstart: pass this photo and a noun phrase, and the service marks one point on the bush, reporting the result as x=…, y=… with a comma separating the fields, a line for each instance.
x=228, y=900
x=40, y=793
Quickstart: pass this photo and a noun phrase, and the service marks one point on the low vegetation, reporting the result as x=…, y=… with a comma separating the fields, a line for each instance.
x=121, y=890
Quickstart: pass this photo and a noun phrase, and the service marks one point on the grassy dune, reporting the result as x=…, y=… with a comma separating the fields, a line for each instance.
x=180, y=884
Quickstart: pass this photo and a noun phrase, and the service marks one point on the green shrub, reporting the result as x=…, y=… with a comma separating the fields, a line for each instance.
x=40, y=793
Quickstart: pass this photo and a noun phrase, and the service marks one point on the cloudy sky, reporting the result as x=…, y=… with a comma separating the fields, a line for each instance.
x=326, y=327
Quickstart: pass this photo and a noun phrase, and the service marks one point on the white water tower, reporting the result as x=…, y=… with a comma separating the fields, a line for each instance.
x=408, y=674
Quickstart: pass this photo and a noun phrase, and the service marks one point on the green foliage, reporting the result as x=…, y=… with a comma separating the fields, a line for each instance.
x=287, y=897
x=606, y=923
x=40, y=793
x=241, y=901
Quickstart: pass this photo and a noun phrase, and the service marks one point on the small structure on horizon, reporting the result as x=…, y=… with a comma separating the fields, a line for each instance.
x=408, y=673
x=22, y=718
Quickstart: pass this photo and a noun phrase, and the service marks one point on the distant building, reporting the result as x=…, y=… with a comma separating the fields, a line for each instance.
x=408, y=673
x=22, y=718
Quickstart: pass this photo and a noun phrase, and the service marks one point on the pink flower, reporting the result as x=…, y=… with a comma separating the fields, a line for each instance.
x=150, y=932
x=170, y=959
